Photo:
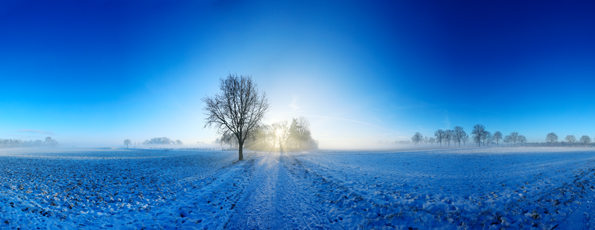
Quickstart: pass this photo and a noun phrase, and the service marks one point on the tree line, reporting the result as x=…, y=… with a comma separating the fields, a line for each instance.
x=552, y=139
x=483, y=137
x=479, y=135
x=16, y=143
x=279, y=136
x=155, y=141
x=162, y=141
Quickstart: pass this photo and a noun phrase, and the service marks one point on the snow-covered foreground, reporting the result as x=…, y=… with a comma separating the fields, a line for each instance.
x=487, y=188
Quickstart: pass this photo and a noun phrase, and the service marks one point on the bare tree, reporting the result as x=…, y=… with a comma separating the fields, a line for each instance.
x=432, y=140
x=497, y=137
x=571, y=139
x=514, y=137
x=417, y=137
x=486, y=138
x=551, y=138
x=478, y=132
x=281, y=133
x=440, y=136
x=448, y=136
x=48, y=141
x=507, y=139
x=237, y=109
x=426, y=140
x=464, y=138
x=458, y=134
x=127, y=142
x=300, y=136
x=522, y=139
x=585, y=139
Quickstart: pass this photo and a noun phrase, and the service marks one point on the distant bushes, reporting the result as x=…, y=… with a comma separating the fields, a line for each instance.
x=15, y=143
x=162, y=141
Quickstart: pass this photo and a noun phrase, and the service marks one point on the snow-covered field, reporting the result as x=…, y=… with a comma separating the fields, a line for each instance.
x=471, y=188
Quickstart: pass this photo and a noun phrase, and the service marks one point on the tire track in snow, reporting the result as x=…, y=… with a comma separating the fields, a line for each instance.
x=212, y=205
x=275, y=201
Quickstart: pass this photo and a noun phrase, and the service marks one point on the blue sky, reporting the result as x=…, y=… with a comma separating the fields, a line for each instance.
x=97, y=72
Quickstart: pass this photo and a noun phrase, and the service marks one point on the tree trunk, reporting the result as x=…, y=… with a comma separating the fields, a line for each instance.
x=240, y=151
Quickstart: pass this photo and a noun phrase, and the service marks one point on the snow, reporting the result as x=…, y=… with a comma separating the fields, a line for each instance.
x=468, y=188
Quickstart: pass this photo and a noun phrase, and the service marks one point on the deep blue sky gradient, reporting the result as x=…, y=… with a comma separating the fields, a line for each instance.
x=362, y=72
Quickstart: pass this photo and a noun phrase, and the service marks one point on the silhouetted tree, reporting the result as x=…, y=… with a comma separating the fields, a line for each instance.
x=522, y=139
x=127, y=142
x=486, y=138
x=448, y=135
x=497, y=137
x=281, y=133
x=464, y=138
x=237, y=109
x=159, y=141
x=570, y=139
x=439, y=134
x=48, y=141
x=585, y=139
x=478, y=132
x=514, y=137
x=507, y=139
x=432, y=140
x=417, y=137
x=458, y=134
x=551, y=138
x=299, y=135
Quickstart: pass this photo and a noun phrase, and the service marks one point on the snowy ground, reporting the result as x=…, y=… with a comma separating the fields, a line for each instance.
x=472, y=188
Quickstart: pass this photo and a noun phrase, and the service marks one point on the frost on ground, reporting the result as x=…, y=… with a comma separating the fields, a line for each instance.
x=473, y=188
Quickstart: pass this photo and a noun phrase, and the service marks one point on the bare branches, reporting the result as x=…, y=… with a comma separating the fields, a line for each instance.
x=551, y=138
x=478, y=132
x=585, y=139
x=497, y=137
x=237, y=109
x=417, y=137
x=458, y=134
x=514, y=137
x=440, y=135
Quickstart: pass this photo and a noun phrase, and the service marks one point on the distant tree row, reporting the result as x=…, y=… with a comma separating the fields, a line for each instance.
x=157, y=141
x=483, y=137
x=15, y=143
x=552, y=138
x=279, y=136
x=479, y=135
